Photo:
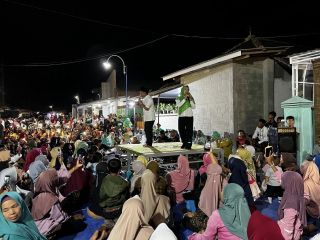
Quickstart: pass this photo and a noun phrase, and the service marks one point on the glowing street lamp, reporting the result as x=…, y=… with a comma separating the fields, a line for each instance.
x=78, y=100
x=107, y=65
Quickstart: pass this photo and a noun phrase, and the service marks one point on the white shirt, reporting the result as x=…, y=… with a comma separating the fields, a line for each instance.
x=261, y=134
x=188, y=112
x=149, y=115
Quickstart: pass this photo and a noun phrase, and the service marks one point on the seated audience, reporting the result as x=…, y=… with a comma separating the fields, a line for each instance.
x=260, y=135
x=245, y=156
x=163, y=232
x=209, y=200
x=135, y=140
x=261, y=227
x=132, y=224
x=225, y=143
x=231, y=220
x=114, y=192
x=157, y=207
x=138, y=168
x=173, y=136
x=239, y=176
x=48, y=210
x=96, y=158
x=242, y=140
x=162, y=138
x=272, y=123
x=94, y=210
x=161, y=184
x=180, y=180
x=200, y=139
x=16, y=220
x=292, y=210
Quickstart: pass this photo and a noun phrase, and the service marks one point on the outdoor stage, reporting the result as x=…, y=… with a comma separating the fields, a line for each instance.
x=166, y=150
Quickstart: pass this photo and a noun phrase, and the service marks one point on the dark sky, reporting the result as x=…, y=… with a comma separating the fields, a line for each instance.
x=30, y=35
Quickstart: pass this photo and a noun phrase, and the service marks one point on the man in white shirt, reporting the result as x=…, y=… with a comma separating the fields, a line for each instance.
x=185, y=103
x=148, y=112
x=260, y=136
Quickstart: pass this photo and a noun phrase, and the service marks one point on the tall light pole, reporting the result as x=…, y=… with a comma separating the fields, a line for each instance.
x=78, y=100
x=108, y=65
x=51, y=108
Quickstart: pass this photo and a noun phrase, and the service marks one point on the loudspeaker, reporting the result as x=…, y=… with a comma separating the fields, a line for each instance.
x=287, y=140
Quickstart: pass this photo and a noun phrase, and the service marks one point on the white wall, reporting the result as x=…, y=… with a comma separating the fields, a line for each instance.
x=167, y=121
x=213, y=95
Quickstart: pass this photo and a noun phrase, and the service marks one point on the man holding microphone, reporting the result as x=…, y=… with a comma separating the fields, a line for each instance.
x=185, y=103
x=148, y=112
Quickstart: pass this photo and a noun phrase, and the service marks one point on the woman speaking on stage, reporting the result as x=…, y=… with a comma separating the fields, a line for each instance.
x=185, y=103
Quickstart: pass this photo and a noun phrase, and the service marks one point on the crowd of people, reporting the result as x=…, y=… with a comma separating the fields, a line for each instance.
x=49, y=169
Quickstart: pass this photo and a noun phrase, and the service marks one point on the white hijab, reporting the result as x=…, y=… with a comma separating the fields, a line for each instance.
x=163, y=232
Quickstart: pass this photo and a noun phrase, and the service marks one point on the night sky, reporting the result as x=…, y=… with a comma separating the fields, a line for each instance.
x=30, y=35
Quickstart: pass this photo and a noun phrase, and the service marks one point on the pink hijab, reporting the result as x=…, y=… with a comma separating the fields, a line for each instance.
x=206, y=162
x=181, y=179
x=311, y=182
x=210, y=195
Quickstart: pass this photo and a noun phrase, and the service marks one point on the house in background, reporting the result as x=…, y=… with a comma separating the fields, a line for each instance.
x=234, y=90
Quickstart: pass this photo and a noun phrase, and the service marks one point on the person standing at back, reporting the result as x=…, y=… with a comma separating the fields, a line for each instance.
x=185, y=103
x=148, y=113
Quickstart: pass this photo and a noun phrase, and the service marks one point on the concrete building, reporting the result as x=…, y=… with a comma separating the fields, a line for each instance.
x=234, y=90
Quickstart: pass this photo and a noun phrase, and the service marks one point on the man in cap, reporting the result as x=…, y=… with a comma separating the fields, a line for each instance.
x=148, y=112
x=162, y=138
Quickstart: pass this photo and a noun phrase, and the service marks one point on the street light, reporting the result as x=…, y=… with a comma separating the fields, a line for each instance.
x=108, y=65
x=51, y=107
x=78, y=101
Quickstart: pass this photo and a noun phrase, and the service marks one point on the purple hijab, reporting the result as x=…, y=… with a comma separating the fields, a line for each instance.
x=293, y=196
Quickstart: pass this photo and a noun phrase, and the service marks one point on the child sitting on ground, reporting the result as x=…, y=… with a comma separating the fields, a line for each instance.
x=273, y=185
x=114, y=192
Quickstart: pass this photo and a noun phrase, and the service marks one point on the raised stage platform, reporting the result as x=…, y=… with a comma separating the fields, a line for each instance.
x=166, y=150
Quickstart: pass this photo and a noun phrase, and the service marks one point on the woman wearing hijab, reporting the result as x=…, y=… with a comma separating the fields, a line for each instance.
x=229, y=222
x=156, y=206
x=35, y=169
x=80, y=179
x=30, y=158
x=47, y=210
x=292, y=209
x=79, y=145
x=163, y=232
x=289, y=163
x=138, y=168
x=311, y=182
x=132, y=224
x=110, y=140
x=16, y=220
x=207, y=160
x=209, y=199
x=200, y=139
x=261, y=227
x=161, y=184
x=225, y=143
x=239, y=176
x=32, y=145
x=185, y=102
x=180, y=180
x=94, y=210
x=245, y=156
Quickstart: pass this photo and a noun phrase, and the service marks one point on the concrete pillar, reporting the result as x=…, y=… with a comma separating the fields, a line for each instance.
x=300, y=109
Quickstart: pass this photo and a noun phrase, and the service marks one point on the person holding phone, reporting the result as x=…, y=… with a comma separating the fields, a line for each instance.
x=185, y=103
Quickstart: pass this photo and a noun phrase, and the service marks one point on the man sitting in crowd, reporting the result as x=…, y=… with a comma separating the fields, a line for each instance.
x=162, y=138
x=173, y=136
x=260, y=136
